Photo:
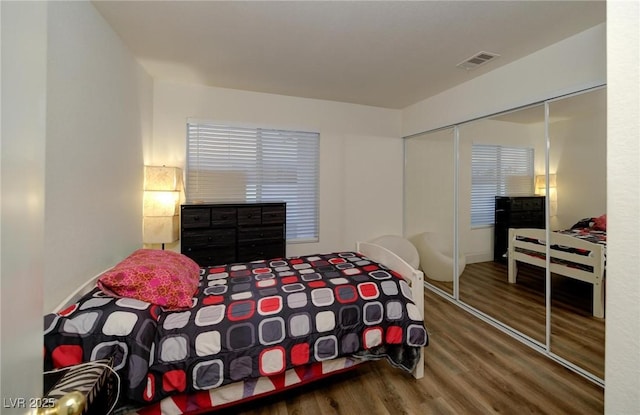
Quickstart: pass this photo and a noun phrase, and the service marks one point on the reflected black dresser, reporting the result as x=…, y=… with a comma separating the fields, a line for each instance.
x=515, y=212
x=223, y=233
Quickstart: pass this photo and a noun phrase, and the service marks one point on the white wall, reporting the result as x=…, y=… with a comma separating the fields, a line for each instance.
x=360, y=153
x=24, y=74
x=622, y=370
x=99, y=102
x=576, y=63
x=429, y=185
x=75, y=109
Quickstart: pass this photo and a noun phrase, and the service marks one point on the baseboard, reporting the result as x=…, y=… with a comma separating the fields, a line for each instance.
x=479, y=257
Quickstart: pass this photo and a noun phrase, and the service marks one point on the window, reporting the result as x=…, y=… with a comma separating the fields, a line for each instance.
x=498, y=171
x=230, y=164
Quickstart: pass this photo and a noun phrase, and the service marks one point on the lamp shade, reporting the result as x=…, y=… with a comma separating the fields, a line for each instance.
x=541, y=189
x=161, y=204
x=160, y=229
x=162, y=178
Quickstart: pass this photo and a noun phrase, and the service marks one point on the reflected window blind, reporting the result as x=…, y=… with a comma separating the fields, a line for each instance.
x=236, y=164
x=498, y=171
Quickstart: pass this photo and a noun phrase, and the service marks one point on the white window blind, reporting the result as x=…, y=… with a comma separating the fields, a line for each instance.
x=498, y=171
x=230, y=164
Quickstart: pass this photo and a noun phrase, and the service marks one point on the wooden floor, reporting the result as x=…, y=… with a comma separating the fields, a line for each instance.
x=576, y=335
x=470, y=368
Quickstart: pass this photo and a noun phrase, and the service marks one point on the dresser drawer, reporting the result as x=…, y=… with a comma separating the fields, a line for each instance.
x=257, y=251
x=257, y=234
x=214, y=256
x=223, y=233
x=223, y=216
x=196, y=218
x=527, y=203
x=526, y=219
x=208, y=237
x=274, y=215
x=249, y=216
x=535, y=204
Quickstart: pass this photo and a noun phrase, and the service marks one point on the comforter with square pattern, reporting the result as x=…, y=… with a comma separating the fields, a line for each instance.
x=247, y=320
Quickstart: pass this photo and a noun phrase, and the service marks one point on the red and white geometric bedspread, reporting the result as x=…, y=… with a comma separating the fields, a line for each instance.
x=243, y=391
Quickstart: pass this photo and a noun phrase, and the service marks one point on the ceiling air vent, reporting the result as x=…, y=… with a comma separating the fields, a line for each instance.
x=476, y=60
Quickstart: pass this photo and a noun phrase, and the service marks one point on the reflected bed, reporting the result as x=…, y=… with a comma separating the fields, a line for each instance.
x=574, y=253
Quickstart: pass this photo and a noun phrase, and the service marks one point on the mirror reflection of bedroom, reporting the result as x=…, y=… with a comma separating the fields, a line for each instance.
x=427, y=189
x=577, y=153
x=499, y=159
x=511, y=198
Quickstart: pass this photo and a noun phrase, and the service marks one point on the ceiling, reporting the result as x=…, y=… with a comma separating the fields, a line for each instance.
x=387, y=54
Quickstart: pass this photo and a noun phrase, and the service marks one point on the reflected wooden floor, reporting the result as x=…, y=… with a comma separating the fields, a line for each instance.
x=575, y=334
x=470, y=368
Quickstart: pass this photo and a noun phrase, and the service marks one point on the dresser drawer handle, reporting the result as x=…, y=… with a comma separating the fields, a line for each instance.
x=223, y=217
x=196, y=217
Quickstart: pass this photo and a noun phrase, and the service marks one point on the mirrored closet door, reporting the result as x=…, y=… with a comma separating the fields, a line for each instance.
x=504, y=193
x=499, y=157
x=578, y=201
x=429, y=204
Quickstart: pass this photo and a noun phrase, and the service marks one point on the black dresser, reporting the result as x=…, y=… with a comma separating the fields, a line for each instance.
x=515, y=212
x=222, y=233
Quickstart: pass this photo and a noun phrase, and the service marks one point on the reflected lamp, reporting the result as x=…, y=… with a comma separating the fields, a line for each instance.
x=541, y=189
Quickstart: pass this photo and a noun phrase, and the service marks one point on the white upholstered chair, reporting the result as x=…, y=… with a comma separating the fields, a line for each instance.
x=436, y=256
x=401, y=247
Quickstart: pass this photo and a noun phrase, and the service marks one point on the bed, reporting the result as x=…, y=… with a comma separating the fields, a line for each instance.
x=252, y=329
x=579, y=253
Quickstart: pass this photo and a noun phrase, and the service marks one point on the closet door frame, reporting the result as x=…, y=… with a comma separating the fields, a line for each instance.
x=544, y=348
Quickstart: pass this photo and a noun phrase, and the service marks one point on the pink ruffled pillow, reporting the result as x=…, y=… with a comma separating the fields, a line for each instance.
x=165, y=278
